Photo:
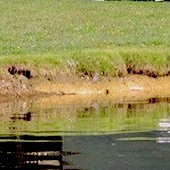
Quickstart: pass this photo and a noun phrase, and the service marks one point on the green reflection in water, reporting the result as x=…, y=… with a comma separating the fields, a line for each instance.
x=93, y=118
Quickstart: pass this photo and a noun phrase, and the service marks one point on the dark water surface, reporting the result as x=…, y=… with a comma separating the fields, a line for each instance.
x=91, y=135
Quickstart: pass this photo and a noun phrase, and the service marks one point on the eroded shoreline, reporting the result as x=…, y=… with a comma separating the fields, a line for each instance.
x=71, y=86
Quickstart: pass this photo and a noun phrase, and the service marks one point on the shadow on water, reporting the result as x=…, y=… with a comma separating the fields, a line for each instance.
x=123, y=135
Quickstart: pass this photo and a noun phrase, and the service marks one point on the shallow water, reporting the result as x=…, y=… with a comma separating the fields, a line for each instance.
x=89, y=135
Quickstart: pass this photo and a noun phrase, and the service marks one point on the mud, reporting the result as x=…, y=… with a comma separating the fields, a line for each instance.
x=14, y=71
x=22, y=83
x=150, y=72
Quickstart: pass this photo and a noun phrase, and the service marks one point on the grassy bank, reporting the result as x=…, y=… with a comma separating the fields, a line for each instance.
x=111, y=38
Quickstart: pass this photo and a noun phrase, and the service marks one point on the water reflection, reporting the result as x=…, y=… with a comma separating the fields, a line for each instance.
x=131, y=151
x=90, y=135
x=27, y=153
x=164, y=130
x=36, y=152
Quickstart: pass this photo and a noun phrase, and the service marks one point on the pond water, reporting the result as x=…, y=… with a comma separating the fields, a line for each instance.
x=131, y=135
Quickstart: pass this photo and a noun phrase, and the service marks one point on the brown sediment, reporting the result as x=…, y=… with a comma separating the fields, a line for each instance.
x=75, y=88
x=131, y=88
x=127, y=86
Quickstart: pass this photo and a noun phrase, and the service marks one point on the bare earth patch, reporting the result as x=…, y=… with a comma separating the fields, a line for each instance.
x=76, y=87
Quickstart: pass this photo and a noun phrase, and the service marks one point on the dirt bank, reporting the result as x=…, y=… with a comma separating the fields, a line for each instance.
x=133, y=86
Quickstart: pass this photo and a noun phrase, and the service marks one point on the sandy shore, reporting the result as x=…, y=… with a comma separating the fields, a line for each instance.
x=71, y=86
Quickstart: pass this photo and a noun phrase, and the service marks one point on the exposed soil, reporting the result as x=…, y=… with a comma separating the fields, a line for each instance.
x=22, y=82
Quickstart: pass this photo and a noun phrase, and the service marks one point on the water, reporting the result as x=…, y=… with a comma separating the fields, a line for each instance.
x=42, y=134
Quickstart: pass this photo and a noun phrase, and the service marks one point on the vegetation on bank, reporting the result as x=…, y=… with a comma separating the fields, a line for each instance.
x=110, y=38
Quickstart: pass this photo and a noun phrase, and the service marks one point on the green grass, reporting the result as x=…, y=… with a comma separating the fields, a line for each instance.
x=100, y=37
